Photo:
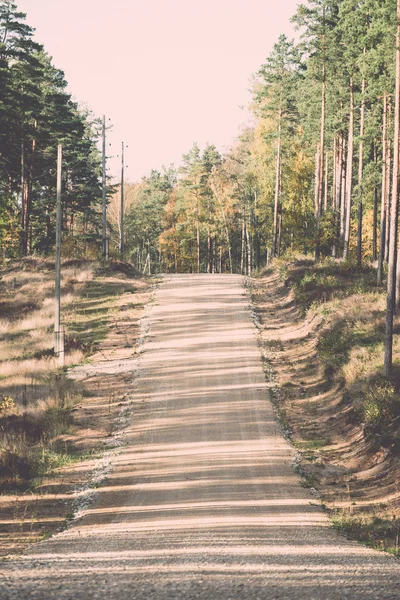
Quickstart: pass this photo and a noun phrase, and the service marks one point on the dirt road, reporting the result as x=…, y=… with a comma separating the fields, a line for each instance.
x=202, y=501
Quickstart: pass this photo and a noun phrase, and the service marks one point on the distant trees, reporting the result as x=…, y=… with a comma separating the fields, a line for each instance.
x=144, y=223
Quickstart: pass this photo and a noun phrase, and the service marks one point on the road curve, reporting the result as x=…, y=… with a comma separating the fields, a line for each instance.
x=202, y=502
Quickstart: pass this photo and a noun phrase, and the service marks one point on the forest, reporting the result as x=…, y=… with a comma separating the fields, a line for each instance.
x=315, y=174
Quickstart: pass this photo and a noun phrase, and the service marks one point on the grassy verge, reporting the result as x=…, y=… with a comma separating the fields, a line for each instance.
x=379, y=532
x=37, y=399
x=31, y=436
x=350, y=340
x=324, y=337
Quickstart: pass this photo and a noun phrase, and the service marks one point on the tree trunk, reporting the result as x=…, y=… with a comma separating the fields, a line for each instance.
x=256, y=236
x=397, y=291
x=280, y=234
x=277, y=186
x=24, y=238
x=375, y=214
x=29, y=190
x=326, y=181
x=209, y=241
x=382, y=240
x=342, y=193
x=243, y=248
x=319, y=184
x=388, y=172
x=334, y=193
x=360, y=175
x=228, y=240
x=334, y=174
x=391, y=286
x=248, y=250
x=322, y=132
x=208, y=252
x=198, y=233
x=316, y=182
x=349, y=173
x=335, y=169
x=317, y=213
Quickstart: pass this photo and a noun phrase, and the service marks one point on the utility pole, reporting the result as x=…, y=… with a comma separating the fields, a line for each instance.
x=121, y=239
x=104, y=217
x=58, y=329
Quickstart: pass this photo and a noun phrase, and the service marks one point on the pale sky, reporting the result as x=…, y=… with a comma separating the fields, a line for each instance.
x=166, y=72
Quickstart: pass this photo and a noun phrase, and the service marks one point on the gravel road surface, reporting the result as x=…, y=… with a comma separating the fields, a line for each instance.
x=202, y=501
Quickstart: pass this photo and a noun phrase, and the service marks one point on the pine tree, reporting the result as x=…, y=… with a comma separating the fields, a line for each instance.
x=276, y=96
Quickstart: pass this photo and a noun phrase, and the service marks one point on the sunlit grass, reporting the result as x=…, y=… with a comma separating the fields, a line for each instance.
x=30, y=373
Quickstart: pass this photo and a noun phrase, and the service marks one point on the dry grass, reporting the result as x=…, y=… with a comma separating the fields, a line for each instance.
x=30, y=442
x=26, y=335
x=30, y=375
x=323, y=329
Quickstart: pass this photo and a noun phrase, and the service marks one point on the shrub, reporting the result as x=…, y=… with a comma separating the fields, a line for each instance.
x=382, y=532
x=380, y=405
x=6, y=403
x=334, y=346
x=29, y=442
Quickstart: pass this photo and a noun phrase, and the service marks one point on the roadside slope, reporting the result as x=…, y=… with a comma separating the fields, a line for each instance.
x=322, y=330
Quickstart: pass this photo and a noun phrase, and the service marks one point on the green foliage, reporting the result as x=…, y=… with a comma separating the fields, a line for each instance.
x=380, y=405
x=316, y=283
x=37, y=114
x=334, y=345
x=28, y=446
x=6, y=403
x=144, y=221
x=380, y=532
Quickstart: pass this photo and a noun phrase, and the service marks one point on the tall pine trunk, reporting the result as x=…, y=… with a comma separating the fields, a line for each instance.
x=322, y=131
x=360, y=175
x=209, y=242
x=349, y=173
x=335, y=198
x=334, y=173
x=391, y=285
x=277, y=185
x=340, y=190
x=248, y=244
x=326, y=181
x=387, y=200
x=343, y=192
x=375, y=213
x=256, y=236
x=243, y=248
x=198, y=232
x=321, y=156
x=29, y=200
x=316, y=183
x=279, y=233
x=24, y=232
